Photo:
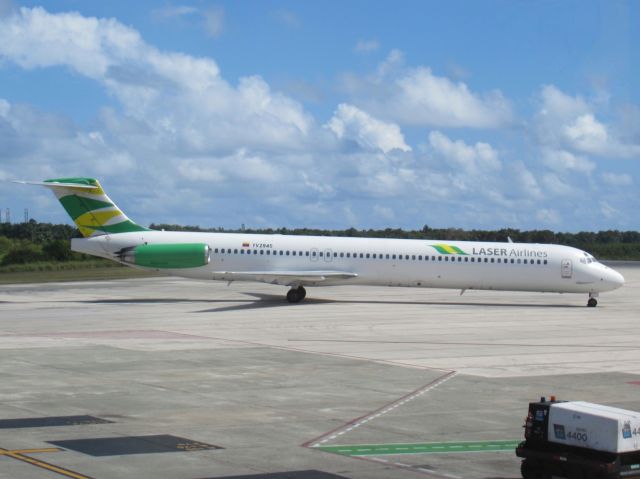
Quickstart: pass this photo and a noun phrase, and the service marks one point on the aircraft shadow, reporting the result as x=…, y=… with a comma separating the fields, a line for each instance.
x=277, y=301
x=260, y=300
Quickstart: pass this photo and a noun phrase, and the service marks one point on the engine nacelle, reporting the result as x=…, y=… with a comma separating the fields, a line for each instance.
x=167, y=256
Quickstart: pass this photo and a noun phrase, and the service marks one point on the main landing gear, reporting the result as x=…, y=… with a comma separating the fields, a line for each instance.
x=295, y=295
x=593, y=302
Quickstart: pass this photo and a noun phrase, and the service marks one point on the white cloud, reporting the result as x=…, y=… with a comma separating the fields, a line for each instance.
x=349, y=122
x=548, y=216
x=422, y=98
x=471, y=158
x=171, y=12
x=178, y=98
x=384, y=212
x=366, y=46
x=557, y=186
x=525, y=181
x=198, y=149
x=213, y=21
x=416, y=96
x=561, y=160
x=587, y=134
x=608, y=211
x=566, y=122
x=617, y=179
x=288, y=18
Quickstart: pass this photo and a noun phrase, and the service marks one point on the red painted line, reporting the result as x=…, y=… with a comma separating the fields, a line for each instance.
x=374, y=412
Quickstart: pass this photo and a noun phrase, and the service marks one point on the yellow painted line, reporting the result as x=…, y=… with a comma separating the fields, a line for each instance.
x=19, y=455
x=31, y=451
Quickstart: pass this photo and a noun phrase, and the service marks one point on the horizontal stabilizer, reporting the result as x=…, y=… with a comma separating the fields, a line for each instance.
x=54, y=185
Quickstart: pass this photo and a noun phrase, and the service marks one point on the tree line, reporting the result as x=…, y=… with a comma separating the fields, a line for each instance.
x=34, y=241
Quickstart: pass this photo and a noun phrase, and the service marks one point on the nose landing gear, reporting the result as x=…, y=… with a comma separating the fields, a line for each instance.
x=593, y=302
x=295, y=295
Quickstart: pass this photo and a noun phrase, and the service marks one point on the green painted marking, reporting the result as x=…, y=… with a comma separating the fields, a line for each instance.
x=126, y=226
x=79, y=181
x=77, y=205
x=423, y=448
x=171, y=255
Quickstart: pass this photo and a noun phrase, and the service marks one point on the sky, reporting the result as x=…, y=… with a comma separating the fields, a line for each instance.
x=334, y=114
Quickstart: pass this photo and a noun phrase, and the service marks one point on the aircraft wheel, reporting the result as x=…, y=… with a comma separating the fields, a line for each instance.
x=592, y=303
x=303, y=292
x=294, y=295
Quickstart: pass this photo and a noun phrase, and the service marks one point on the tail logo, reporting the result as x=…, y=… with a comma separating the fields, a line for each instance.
x=90, y=208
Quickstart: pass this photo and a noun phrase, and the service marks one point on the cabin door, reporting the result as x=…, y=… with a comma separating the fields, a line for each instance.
x=566, y=269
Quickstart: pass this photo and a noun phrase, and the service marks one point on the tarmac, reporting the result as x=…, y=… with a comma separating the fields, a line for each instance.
x=171, y=378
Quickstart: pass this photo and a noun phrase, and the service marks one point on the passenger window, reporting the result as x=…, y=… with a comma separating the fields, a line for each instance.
x=348, y=255
x=367, y=255
x=413, y=256
x=215, y=250
x=545, y=261
x=538, y=261
x=399, y=256
x=361, y=255
x=287, y=252
x=486, y=260
x=446, y=258
x=387, y=256
x=293, y=253
x=393, y=256
x=419, y=257
x=306, y=253
x=492, y=260
x=255, y=251
x=241, y=251
x=313, y=253
x=373, y=255
x=235, y=251
x=261, y=251
x=439, y=258
x=335, y=255
x=268, y=252
x=519, y=261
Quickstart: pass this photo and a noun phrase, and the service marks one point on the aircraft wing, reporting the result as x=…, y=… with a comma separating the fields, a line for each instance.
x=285, y=278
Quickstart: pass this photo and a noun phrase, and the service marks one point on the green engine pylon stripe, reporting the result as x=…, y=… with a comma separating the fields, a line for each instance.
x=421, y=448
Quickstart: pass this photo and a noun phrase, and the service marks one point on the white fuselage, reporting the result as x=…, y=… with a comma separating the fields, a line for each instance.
x=386, y=262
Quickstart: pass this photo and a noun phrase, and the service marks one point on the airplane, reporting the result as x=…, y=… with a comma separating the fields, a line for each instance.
x=301, y=261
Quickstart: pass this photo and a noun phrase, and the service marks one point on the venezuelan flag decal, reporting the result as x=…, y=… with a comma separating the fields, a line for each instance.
x=447, y=249
x=245, y=244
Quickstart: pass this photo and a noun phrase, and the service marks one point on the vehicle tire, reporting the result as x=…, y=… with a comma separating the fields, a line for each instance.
x=528, y=470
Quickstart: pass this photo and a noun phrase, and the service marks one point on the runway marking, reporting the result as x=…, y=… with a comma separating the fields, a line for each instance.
x=318, y=443
x=350, y=426
x=422, y=448
x=19, y=454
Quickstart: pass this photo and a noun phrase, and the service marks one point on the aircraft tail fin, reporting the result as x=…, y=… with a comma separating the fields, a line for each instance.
x=93, y=212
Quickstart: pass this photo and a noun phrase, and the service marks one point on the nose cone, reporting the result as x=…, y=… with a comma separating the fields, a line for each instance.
x=613, y=279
